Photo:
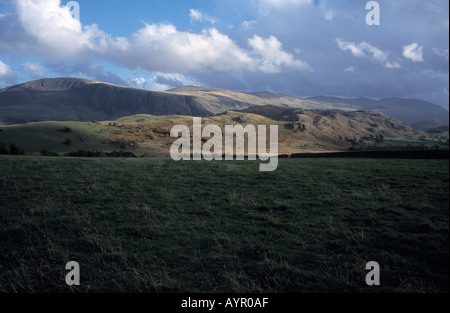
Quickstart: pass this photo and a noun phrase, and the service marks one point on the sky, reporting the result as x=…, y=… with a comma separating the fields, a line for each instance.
x=298, y=47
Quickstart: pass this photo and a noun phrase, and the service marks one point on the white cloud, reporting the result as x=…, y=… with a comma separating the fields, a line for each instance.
x=377, y=54
x=147, y=83
x=164, y=48
x=49, y=30
x=52, y=26
x=163, y=81
x=355, y=49
x=272, y=58
x=176, y=80
x=413, y=52
x=365, y=49
x=7, y=74
x=197, y=16
x=34, y=70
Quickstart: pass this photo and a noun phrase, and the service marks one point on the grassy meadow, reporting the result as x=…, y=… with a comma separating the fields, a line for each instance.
x=156, y=225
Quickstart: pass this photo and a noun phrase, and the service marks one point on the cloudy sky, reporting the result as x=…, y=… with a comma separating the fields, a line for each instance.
x=298, y=47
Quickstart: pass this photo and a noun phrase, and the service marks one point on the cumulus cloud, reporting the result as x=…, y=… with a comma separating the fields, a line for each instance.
x=365, y=49
x=7, y=74
x=48, y=28
x=413, y=52
x=53, y=27
x=272, y=58
x=164, y=48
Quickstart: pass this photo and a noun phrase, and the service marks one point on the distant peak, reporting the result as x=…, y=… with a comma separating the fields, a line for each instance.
x=58, y=84
x=54, y=84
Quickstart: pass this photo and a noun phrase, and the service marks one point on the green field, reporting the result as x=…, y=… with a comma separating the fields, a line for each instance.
x=155, y=225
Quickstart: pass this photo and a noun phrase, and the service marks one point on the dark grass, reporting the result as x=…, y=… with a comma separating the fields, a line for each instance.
x=155, y=225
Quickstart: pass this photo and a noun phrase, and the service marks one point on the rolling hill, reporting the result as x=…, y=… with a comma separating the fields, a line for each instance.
x=74, y=99
x=299, y=131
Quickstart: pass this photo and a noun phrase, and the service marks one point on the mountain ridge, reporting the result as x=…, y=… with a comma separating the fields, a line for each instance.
x=78, y=99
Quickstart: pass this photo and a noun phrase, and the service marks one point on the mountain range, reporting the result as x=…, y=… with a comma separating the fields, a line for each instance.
x=75, y=99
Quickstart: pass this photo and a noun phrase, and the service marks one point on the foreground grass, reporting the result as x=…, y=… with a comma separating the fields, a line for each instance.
x=154, y=225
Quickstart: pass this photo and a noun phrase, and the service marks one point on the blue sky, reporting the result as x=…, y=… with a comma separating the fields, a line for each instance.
x=298, y=47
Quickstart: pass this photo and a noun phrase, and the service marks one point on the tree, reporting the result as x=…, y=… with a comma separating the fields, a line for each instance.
x=123, y=143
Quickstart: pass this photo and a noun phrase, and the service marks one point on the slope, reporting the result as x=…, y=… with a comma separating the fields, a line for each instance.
x=299, y=131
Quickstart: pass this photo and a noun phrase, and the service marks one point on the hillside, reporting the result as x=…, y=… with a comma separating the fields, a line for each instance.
x=430, y=125
x=245, y=100
x=299, y=131
x=73, y=99
x=409, y=111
